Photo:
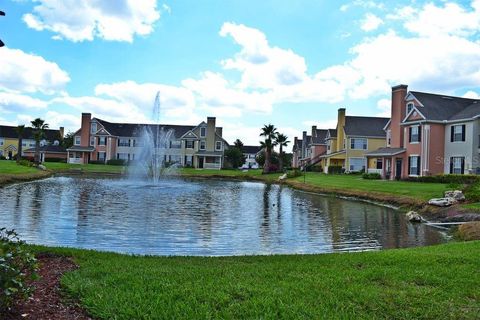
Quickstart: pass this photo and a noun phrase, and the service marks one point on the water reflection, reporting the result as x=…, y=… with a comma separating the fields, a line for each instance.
x=200, y=217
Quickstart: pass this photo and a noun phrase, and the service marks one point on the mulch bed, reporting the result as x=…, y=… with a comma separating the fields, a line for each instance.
x=47, y=301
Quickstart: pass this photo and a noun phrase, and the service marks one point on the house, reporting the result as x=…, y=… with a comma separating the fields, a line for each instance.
x=429, y=134
x=199, y=146
x=48, y=152
x=9, y=140
x=307, y=151
x=251, y=153
x=351, y=140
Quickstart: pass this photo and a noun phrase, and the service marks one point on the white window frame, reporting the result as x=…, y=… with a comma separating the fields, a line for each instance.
x=409, y=107
x=411, y=162
x=416, y=134
x=457, y=160
x=100, y=139
x=204, y=129
x=78, y=140
x=353, y=144
x=124, y=142
x=350, y=164
x=455, y=133
x=217, y=144
x=104, y=156
x=203, y=145
x=93, y=127
x=92, y=141
x=186, y=144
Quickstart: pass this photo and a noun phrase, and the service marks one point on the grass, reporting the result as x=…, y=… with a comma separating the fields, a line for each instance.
x=11, y=167
x=416, y=190
x=97, y=168
x=420, y=283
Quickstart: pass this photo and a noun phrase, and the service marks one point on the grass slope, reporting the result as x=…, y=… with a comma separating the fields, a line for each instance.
x=422, y=283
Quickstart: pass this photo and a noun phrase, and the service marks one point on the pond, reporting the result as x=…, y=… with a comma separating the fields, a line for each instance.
x=200, y=217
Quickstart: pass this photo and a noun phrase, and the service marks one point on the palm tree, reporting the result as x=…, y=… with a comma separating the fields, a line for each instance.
x=282, y=141
x=39, y=127
x=20, y=130
x=269, y=132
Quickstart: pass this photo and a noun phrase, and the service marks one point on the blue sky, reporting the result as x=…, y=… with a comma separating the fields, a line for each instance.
x=290, y=63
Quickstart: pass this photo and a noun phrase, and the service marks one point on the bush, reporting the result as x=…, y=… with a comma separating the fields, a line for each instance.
x=116, y=162
x=456, y=179
x=96, y=162
x=55, y=160
x=25, y=163
x=335, y=169
x=3, y=158
x=17, y=267
x=294, y=173
x=371, y=176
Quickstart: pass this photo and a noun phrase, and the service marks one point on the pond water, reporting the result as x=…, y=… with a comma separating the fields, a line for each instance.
x=200, y=217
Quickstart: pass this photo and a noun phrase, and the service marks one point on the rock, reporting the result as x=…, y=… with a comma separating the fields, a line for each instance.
x=282, y=177
x=442, y=202
x=42, y=167
x=455, y=194
x=413, y=216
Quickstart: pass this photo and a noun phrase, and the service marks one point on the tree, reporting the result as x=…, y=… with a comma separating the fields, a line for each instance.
x=39, y=127
x=282, y=141
x=235, y=157
x=238, y=144
x=67, y=140
x=20, y=131
x=269, y=132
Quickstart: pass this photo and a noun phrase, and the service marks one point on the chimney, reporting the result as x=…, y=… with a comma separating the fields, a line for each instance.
x=304, y=143
x=314, y=131
x=340, y=125
x=61, y=131
x=398, y=113
x=210, y=133
x=85, y=129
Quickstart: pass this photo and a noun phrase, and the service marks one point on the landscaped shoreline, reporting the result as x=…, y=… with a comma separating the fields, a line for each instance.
x=424, y=282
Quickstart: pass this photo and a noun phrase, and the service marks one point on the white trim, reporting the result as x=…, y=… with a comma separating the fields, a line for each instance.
x=350, y=143
x=386, y=126
x=410, y=96
x=411, y=112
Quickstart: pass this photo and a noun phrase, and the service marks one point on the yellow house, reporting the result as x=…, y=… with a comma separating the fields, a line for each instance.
x=9, y=140
x=352, y=139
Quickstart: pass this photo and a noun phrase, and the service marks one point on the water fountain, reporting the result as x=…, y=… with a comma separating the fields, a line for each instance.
x=153, y=142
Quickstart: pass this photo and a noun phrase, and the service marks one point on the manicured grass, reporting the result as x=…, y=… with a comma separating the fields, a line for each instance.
x=417, y=190
x=255, y=174
x=422, y=283
x=11, y=167
x=60, y=166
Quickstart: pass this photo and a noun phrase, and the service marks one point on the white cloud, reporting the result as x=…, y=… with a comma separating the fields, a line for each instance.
x=471, y=94
x=385, y=106
x=370, y=22
x=13, y=102
x=80, y=20
x=71, y=123
x=23, y=72
x=321, y=124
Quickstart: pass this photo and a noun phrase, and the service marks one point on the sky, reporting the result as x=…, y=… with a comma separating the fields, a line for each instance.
x=248, y=63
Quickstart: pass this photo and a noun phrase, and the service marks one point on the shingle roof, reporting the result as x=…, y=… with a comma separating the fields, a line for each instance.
x=386, y=152
x=365, y=126
x=49, y=148
x=442, y=107
x=333, y=133
x=132, y=129
x=298, y=145
x=321, y=134
x=251, y=149
x=10, y=132
x=471, y=111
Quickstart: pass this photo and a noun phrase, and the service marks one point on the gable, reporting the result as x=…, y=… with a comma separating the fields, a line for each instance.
x=189, y=135
x=414, y=115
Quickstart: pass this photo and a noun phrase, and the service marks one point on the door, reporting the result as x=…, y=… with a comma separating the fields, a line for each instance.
x=10, y=155
x=398, y=169
x=200, y=162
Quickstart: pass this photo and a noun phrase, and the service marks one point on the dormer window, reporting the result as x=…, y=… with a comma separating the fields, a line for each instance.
x=203, y=132
x=77, y=140
x=409, y=107
x=93, y=127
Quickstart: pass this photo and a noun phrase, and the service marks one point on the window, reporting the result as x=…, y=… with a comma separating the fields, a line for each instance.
x=389, y=138
x=92, y=141
x=457, y=165
x=123, y=156
x=457, y=133
x=93, y=127
x=77, y=140
x=189, y=144
x=175, y=144
x=409, y=107
x=358, y=143
x=218, y=145
x=357, y=164
x=188, y=160
x=123, y=142
x=78, y=155
x=414, y=165
x=414, y=134
x=379, y=164
x=101, y=156
x=203, y=132
x=102, y=141
x=202, y=145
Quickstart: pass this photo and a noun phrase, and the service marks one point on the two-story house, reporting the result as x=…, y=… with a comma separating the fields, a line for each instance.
x=353, y=138
x=250, y=153
x=430, y=134
x=200, y=146
x=309, y=149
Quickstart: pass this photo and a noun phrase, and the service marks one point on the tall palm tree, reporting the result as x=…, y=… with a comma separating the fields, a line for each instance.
x=269, y=132
x=282, y=141
x=39, y=127
x=20, y=130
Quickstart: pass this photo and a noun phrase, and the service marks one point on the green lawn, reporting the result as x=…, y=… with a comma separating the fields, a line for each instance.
x=11, y=167
x=60, y=166
x=418, y=190
x=422, y=283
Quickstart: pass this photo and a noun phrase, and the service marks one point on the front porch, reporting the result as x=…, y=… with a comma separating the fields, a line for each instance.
x=79, y=154
x=336, y=159
x=209, y=161
x=388, y=162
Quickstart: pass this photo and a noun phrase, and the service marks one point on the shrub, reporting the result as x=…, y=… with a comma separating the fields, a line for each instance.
x=457, y=179
x=371, y=176
x=25, y=163
x=55, y=160
x=116, y=162
x=96, y=162
x=3, y=158
x=17, y=267
x=472, y=192
x=294, y=173
x=335, y=169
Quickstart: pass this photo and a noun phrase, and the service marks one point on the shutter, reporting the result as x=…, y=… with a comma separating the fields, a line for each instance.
x=451, y=133
x=418, y=166
x=409, y=162
x=451, y=165
x=409, y=137
x=463, y=165
x=463, y=132
x=118, y=143
x=419, y=133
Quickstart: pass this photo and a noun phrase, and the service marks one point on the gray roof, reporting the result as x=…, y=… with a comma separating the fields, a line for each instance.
x=365, y=126
x=385, y=152
x=298, y=145
x=333, y=133
x=81, y=148
x=49, y=148
x=251, y=149
x=321, y=135
x=10, y=132
x=133, y=129
x=441, y=107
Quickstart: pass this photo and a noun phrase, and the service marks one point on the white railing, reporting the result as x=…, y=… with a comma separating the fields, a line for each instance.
x=379, y=171
x=75, y=160
x=211, y=165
